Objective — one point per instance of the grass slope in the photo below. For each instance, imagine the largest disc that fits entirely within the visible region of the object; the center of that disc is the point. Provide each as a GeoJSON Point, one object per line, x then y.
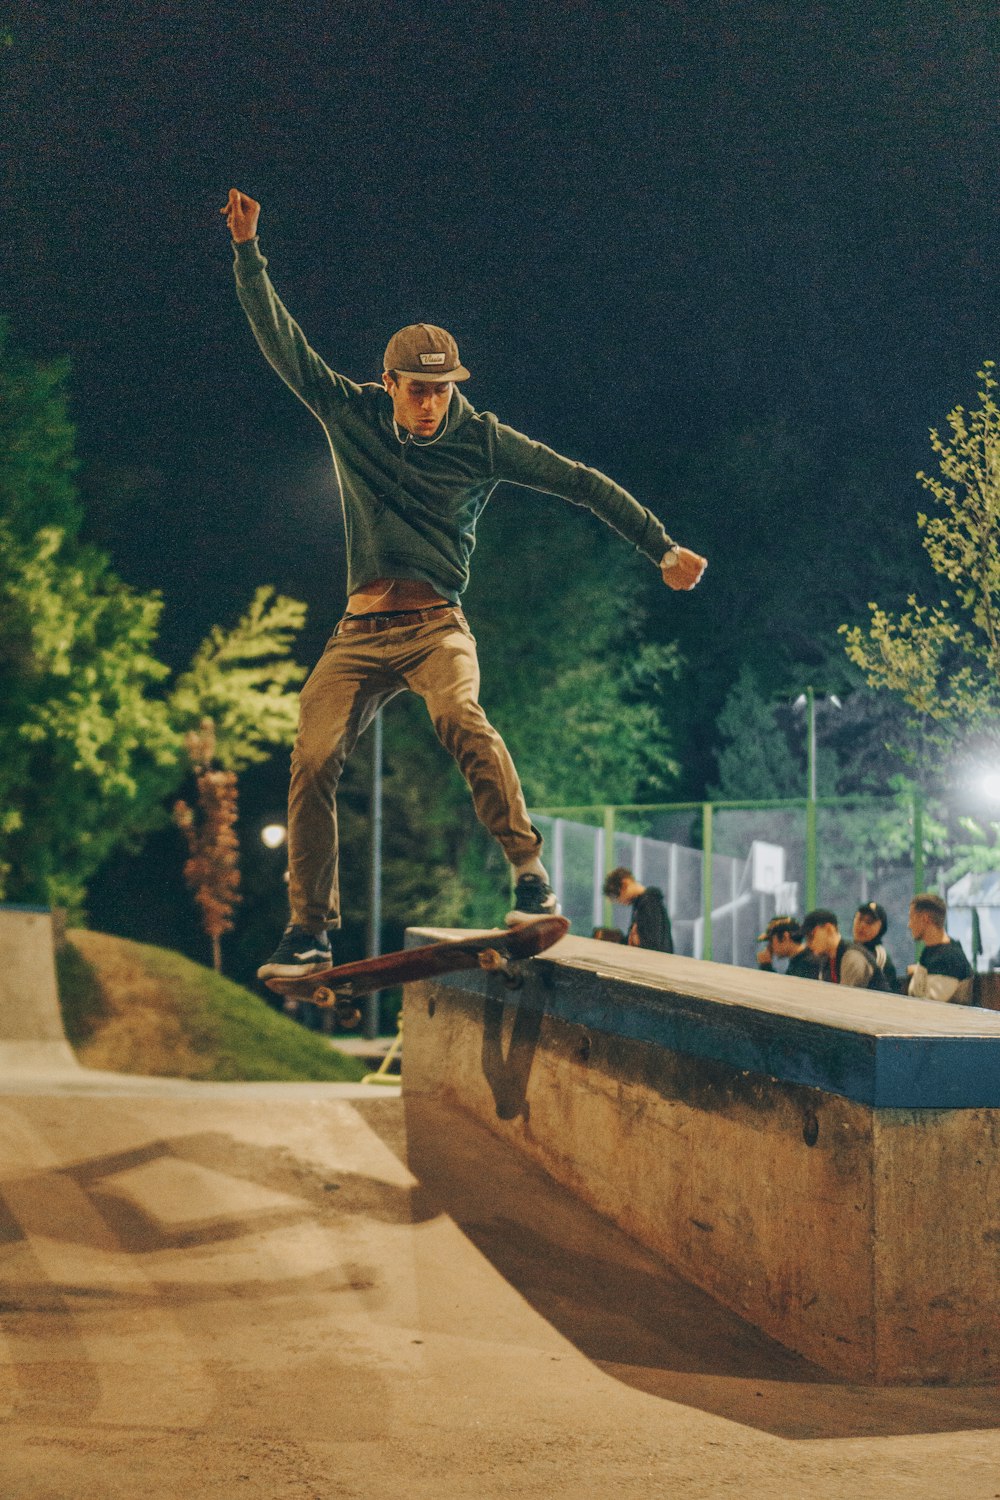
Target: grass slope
{"type": "Point", "coordinates": [131, 1008]}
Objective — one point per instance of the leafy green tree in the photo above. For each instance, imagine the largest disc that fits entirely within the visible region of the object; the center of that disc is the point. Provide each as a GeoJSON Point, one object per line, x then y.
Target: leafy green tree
{"type": "Point", "coordinates": [242, 679]}
{"type": "Point", "coordinates": [942, 659]}
{"type": "Point", "coordinates": [91, 742]}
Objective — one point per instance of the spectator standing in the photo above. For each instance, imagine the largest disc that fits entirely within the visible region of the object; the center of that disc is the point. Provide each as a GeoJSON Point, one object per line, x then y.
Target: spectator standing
{"type": "Point", "coordinates": [649, 926]}
{"type": "Point", "coordinates": [943, 971]}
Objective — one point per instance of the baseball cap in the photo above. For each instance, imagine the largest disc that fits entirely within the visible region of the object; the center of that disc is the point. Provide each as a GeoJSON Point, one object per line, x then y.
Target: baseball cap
{"type": "Point", "coordinates": [777, 926]}
{"type": "Point", "coordinates": [425, 350]}
{"type": "Point", "coordinates": [875, 912]}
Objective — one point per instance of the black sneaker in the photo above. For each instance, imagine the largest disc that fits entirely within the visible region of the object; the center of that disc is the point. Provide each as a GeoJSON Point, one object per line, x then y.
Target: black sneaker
{"type": "Point", "coordinates": [533, 898]}
{"type": "Point", "coordinates": [299, 952]}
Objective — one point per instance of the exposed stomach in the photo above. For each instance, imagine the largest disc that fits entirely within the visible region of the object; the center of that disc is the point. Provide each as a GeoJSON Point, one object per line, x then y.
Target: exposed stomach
{"type": "Point", "coordinates": [393, 593]}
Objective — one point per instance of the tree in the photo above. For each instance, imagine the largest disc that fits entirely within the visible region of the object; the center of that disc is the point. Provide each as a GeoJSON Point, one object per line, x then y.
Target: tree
{"type": "Point", "coordinates": [213, 867]}
{"type": "Point", "coordinates": [775, 509]}
{"type": "Point", "coordinates": [91, 739]}
{"type": "Point", "coordinates": [943, 659]}
{"type": "Point", "coordinates": [582, 698]}
{"type": "Point", "coordinates": [756, 762]}
{"type": "Point", "coordinates": [242, 678]}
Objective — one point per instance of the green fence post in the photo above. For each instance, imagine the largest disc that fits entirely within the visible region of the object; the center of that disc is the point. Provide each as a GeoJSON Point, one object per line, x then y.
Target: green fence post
{"type": "Point", "coordinates": [609, 859]}
{"type": "Point", "coordinates": [706, 879]}
{"type": "Point", "coordinates": [811, 854]}
{"type": "Point", "coordinates": [918, 841]}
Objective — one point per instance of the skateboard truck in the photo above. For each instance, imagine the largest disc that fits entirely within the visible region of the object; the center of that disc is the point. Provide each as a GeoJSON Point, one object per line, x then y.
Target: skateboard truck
{"type": "Point", "coordinates": [495, 962]}
{"type": "Point", "coordinates": [345, 1012]}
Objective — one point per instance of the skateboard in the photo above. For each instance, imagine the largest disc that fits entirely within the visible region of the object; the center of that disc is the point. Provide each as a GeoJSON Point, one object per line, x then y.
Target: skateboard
{"type": "Point", "coordinates": [496, 952]}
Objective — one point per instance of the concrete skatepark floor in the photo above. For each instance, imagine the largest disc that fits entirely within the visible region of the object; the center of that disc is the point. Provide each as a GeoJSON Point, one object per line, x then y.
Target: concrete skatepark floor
{"type": "Point", "coordinates": [304, 1291]}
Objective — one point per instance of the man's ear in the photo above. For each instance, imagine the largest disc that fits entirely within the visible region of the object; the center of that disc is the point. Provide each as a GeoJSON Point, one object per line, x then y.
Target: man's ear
{"type": "Point", "coordinates": [388, 381]}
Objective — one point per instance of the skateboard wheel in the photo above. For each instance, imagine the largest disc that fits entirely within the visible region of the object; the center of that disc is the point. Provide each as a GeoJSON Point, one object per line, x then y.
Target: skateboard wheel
{"type": "Point", "coordinates": [323, 997]}
{"type": "Point", "coordinates": [347, 1016]}
{"type": "Point", "coordinates": [491, 960]}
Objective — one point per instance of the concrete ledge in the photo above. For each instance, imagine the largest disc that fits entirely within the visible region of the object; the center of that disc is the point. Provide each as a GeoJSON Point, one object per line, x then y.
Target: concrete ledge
{"type": "Point", "coordinates": [824, 1162]}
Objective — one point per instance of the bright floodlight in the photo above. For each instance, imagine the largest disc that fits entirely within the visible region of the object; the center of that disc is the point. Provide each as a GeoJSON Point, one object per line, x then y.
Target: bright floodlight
{"type": "Point", "coordinates": [990, 785]}
{"type": "Point", "coordinates": [273, 835]}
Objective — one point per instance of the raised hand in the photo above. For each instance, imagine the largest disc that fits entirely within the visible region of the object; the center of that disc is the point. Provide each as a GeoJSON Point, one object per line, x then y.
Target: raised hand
{"type": "Point", "coordinates": [685, 571]}
{"type": "Point", "coordinates": [242, 213]}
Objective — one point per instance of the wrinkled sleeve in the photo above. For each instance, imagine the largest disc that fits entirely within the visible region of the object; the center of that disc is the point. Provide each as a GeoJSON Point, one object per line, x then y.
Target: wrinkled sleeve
{"type": "Point", "coordinates": [924, 986]}
{"type": "Point", "coordinates": [520, 460]}
{"type": "Point", "coordinates": [282, 341]}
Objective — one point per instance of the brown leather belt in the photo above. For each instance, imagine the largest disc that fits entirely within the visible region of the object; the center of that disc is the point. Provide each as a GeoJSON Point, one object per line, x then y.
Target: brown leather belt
{"type": "Point", "coordinates": [368, 624]}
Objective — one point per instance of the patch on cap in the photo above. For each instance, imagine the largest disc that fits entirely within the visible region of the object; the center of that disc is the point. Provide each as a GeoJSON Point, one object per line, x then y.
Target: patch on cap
{"type": "Point", "coordinates": [432, 359]}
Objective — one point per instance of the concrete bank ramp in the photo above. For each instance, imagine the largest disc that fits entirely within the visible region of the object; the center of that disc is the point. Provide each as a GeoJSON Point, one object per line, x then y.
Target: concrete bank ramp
{"type": "Point", "coordinates": [32, 1040]}
{"type": "Point", "coordinates": [277, 1292]}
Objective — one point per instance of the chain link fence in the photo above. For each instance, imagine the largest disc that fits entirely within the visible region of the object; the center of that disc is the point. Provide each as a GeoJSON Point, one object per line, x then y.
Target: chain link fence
{"type": "Point", "coordinates": [726, 868]}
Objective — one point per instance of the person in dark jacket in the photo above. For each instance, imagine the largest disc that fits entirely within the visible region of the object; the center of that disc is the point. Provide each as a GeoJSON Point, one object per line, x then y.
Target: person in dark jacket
{"type": "Point", "coordinates": [840, 962]}
{"type": "Point", "coordinates": [782, 938]}
{"type": "Point", "coordinates": [415, 463]}
{"type": "Point", "coordinates": [649, 926]}
{"type": "Point", "coordinates": [870, 923]}
{"type": "Point", "coordinates": [943, 972]}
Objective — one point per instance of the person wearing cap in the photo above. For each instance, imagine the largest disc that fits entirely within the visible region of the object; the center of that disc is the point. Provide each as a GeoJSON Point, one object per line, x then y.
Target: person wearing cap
{"type": "Point", "coordinates": [870, 923]}
{"type": "Point", "coordinates": [782, 938]}
{"type": "Point", "coordinates": [840, 962]}
{"type": "Point", "coordinates": [415, 464]}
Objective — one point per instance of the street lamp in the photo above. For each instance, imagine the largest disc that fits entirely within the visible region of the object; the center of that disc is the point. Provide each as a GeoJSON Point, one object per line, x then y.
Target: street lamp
{"type": "Point", "coordinates": [273, 835]}
{"type": "Point", "coordinates": [989, 785]}
{"type": "Point", "coordinates": [807, 700]}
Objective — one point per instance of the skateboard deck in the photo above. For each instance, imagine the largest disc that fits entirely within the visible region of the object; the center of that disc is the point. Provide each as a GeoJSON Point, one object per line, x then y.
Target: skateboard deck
{"type": "Point", "coordinates": [495, 951]}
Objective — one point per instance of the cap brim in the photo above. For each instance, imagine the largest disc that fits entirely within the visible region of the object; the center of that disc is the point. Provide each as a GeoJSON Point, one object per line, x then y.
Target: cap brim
{"type": "Point", "coordinates": [437, 377]}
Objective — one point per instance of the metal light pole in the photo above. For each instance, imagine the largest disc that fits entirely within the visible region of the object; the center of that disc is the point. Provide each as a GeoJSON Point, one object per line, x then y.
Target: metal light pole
{"type": "Point", "coordinates": [807, 700]}
{"type": "Point", "coordinates": [811, 798]}
{"type": "Point", "coordinates": [375, 876]}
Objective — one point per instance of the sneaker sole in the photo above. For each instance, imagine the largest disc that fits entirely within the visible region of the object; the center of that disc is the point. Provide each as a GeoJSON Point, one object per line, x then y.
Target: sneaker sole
{"type": "Point", "coordinates": [291, 971]}
{"type": "Point", "coordinates": [516, 918]}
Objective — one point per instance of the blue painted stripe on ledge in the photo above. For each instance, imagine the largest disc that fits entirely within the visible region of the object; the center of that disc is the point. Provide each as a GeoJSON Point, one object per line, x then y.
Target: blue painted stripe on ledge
{"type": "Point", "coordinates": [884, 1071]}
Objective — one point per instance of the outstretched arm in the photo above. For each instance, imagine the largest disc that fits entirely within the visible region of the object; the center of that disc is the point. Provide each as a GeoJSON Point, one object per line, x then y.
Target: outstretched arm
{"type": "Point", "coordinates": [281, 340]}
{"type": "Point", "coordinates": [520, 460]}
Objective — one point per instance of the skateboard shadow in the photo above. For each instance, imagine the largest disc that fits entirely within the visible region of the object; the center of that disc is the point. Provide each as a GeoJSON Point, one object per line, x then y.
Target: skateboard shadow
{"type": "Point", "coordinates": [507, 1073]}
{"type": "Point", "coordinates": [624, 1308]}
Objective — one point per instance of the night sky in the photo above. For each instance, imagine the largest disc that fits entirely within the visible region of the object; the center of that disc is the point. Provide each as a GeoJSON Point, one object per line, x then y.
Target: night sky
{"type": "Point", "coordinates": [639, 221]}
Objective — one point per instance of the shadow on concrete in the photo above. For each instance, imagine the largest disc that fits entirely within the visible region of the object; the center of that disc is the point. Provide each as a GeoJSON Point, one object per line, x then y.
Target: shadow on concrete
{"type": "Point", "coordinates": [625, 1310]}
{"type": "Point", "coordinates": [145, 1223]}
{"type": "Point", "coordinates": [507, 1073]}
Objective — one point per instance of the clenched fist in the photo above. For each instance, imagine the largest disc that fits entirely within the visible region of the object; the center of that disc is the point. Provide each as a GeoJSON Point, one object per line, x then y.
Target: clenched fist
{"type": "Point", "coordinates": [681, 568]}
{"type": "Point", "coordinates": [241, 214]}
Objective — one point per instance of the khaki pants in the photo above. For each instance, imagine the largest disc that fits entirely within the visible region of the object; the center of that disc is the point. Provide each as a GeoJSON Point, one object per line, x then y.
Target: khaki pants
{"type": "Point", "coordinates": [367, 662]}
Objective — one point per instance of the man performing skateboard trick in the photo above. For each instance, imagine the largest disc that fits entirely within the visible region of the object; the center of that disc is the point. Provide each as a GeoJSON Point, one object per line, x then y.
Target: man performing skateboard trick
{"type": "Point", "coordinates": [415, 465]}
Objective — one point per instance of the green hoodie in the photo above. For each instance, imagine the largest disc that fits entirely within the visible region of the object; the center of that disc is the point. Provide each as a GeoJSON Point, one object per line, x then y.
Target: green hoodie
{"type": "Point", "coordinates": [410, 508]}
